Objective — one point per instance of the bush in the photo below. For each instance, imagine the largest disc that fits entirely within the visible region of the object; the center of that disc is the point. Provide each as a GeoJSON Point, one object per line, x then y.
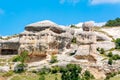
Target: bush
{"type": "Point", "coordinates": [44, 71]}
{"type": "Point", "coordinates": [102, 51]}
{"type": "Point", "coordinates": [16, 58]}
{"type": "Point", "coordinates": [22, 57]}
{"type": "Point", "coordinates": [71, 72]}
{"type": "Point", "coordinates": [73, 26]}
{"type": "Point", "coordinates": [53, 59]}
{"type": "Point", "coordinates": [19, 68]}
{"type": "Point", "coordinates": [117, 43]}
{"type": "Point", "coordinates": [115, 57]}
{"type": "Point", "coordinates": [88, 75]}
{"type": "Point", "coordinates": [42, 77]}
{"type": "Point", "coordinates": [55, 69]}
{"type": "Point", "coordinates": [110, 61]}
{"type": "Point", "coordinates": [74, 40]}
{"type": "Point", "coordinates": [110, 54]}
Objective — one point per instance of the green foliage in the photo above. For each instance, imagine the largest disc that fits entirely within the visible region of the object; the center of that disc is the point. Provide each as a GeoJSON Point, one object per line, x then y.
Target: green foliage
{"type": "Point", "coordinates": [42, 77]}
{"type": "Point", "coordinates": [44, 71]}
{"type": "Point", "coordinates": [53, 59]}
{"type": "Point", "coordinates": [19, 68]}
{"type": "Point", "coordinates": [115, 22]}
{"type": "Point", "coordinates": [110, 54]}
{"type": "Point", "coordinates": [55, 69]}
{"type": "Point", "coordinates": [22, 57]}
{"type": "Point", "coordinates": [116, 57]}
{"type": "Point", "coordinates": [74, 40]}
{"type": "Point", "coordinates": [110, 61]}
{"type": "Point", "coordinates": [87, 75]}
{"type": "Point", "coordinates": [71, 72]}
{"type": "Point", "coordinates": [117, 43]}
{"type": "Point", "coordinates": [73, 26]}
{"type": "Point", "coordinates": [16, 58]}
{"type": "Point", "coordinates": [101, 50]}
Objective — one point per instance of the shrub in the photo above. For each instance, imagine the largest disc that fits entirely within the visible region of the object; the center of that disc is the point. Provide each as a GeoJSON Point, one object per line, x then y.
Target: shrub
{"type": "Point", "coordinates": [117, 43]}
{"type": "Point", "coordinates": [53, 59]}
{"type": "Point", "coordinates": [110, 61]}
{"type": "Point", "coordinates": [44, 71]}
{"type": "Point", "coordinates": [88, 75]}
{"type": "Point", "coordinates": [73, 26]}
{"type": "Point", "coordinates": [55, 69]}
{"type": "Point", "coordinates": [42, 77]}
{"type": "Point", "coordinates": [110, 54]}
{"type": "Point", "coordinates": [102, 51]}
{"type": "Point", "coordinates": [16, 58]}
{"type": "Point", "coordinates": [74, 40]}
{"type": "Point", "coordinates": [19, 68]}
{"type": "Point", "coordinates": [115, 57]}
{"type": "Point", "coordinates": [22, 57]}
{"type": "Point", "coordinates": [71, 72]}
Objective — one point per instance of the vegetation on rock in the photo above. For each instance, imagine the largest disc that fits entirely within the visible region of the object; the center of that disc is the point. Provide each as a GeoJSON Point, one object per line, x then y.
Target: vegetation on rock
{"type": "Point", "coordinates": [115, 22]}
{"type": "Point", "coordinates": [117, 43]}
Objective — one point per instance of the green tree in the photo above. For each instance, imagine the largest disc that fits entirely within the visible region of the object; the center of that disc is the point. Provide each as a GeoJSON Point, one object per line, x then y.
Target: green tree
{"type": "Point", "coordinates": [115, 22]}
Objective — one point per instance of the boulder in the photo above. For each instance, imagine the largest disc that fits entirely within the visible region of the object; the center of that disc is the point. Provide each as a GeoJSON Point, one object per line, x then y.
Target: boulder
{"type": "Point", "coordinates": [88, 26]}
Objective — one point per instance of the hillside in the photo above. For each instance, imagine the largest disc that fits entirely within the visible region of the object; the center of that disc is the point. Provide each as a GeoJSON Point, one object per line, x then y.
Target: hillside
{"type": "Point", "coordinates": [49, 44]}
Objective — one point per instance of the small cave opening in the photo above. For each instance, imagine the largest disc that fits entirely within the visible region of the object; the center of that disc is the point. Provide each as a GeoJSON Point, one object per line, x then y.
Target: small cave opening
{"type": "Point", "coordinates": [9, 51]}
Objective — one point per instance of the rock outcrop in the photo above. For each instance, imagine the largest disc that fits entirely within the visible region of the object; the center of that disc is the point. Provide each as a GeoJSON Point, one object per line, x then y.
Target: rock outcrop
{"type": "Point", "coordinates": [44, 36]}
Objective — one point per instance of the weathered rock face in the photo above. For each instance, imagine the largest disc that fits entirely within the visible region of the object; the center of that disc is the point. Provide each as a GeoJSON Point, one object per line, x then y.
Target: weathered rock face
{"type": "Point", "coordinates": [88, 26]}
{"type": "Point", "coordinates": [86, 42]}
{"type": "Point", "coordinates": [48, 38]}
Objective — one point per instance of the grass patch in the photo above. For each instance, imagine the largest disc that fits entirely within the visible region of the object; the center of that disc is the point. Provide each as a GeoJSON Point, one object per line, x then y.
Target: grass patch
{"type": "Point", "coordinates": [26, 76]}
{"type": "Point", "coordinates": [33, 76]}
{"type": "Point", "coordinates": [115, 78]}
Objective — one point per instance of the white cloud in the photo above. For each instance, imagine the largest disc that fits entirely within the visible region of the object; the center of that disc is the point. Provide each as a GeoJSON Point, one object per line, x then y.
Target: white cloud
{"type": "Point", "coordinates": [98, 24]}
{"type": "Point", "coordinates": [1, 11]}
{"type": "Point", "coordinates": [104, 1]}
{"type": "Point", "coordinates": [69, 1]}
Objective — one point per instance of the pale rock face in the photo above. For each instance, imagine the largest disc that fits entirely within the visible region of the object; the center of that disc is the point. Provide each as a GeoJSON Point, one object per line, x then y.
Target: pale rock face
{"type": "Point", "coordinates": [88, 26]}
{"type": "Point", "coordinates": [51, 38]}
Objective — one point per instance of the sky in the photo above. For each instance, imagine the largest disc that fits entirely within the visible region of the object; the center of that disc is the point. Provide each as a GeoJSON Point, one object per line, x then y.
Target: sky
{"type": "Point", "coordinates": [16, 14]}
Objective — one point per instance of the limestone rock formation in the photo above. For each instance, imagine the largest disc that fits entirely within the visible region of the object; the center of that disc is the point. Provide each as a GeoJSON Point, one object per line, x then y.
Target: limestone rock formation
{"type": "Point", "coordinates": [44, 36]}
{"type": "Point", "coordinates": [88, 26]}
{"type": "Point", "coordinates": [86, 42]}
